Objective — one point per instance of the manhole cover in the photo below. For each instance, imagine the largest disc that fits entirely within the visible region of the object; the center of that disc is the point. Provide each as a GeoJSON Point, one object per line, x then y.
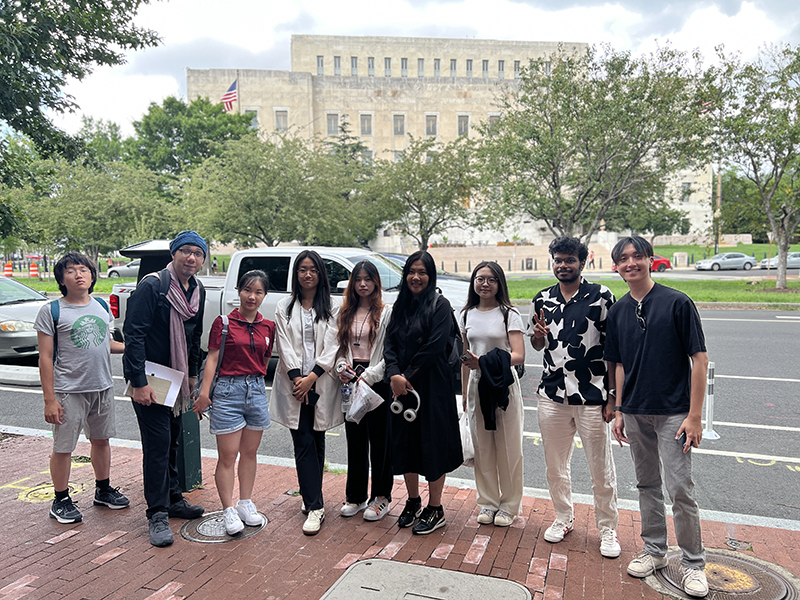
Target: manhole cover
{"type": "Point", "coordinates": [46, 493]}
{"type": "Point", "coordinates": [390, 580]}
{"type": "Point", "coordinates": [210, 529]}
{"type": "Point", "coordinates": [731, 576]}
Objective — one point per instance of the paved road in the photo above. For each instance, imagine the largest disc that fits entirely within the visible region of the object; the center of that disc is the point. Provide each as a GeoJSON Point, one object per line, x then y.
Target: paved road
{"type": "Point", "coordinates": [754, 468]}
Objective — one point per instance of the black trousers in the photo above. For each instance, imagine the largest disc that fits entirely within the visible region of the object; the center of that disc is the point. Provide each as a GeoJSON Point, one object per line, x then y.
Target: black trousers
{"type": "Point", "coordinates": [368, 442]}
{"type": "Point", "coordinates": [309, 458]}
{"type": "Point", "coordinates": [160, 431]}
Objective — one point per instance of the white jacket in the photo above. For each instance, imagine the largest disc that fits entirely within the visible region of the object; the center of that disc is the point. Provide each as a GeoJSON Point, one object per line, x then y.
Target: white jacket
{"type": "Point", "coordinates": [284, 408]}
{"type": "Point", "coordinates": [374, 372]}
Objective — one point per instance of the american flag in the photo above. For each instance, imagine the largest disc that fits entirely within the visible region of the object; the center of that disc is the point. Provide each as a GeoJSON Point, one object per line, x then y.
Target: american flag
{"type": "Point", "coordinates": [230, 97]}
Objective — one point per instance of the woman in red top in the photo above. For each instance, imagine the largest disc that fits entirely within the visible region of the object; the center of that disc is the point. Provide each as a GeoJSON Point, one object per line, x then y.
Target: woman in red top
{"type": "Point", "coordinates": [239, 409]}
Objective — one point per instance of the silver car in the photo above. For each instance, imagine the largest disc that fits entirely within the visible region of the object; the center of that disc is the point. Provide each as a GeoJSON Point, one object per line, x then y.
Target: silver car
{"type": "Point", "coordinates": [792, 261]}
{"type": "Point", "coordinates": [726, 260]}
{"type": "Point", "coordinates": [19, 306]}
{"type": "Point", "coordinates": [128, 270]}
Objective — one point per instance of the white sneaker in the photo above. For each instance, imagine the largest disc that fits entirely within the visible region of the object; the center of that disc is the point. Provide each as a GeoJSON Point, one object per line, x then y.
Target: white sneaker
{"type": "Point", "coordinates": [233, 524]}
{"type": "Point", "coordinates": [695, 582]}
{"type": "Point", "coordinates": [377, 509]}
{"type": "Point", "coordinates": [503, 519]}
{"type": "Point", "coordinates": [350, 510]}
{"type": "Point", "coordinates": [486, 516]}
{"type": "Point", "coordinates": [556, 532]}
{"type": "Point", "coordinates": [248, 513]}
{"type": "Point", "coordinates": [314, 521]}
{"type": "Point", "coordinates": [644, 564]}
{"type": "Point", "coordinates": [609, 543]}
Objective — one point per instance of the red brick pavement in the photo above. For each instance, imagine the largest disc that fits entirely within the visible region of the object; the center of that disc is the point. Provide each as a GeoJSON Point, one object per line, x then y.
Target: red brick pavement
{"type": "Point", "coordinates": [109, 556]}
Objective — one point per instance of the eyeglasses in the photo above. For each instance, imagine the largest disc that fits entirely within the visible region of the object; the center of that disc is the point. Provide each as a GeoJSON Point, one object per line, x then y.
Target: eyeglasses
{"type": "Point", "coordinates": [482, 280]}
{"type": "Point", "coordinates": [640, 317]}
{"type": "Point", "coordinates": [570, 260]}
{"type": "Point", "coordinates": [198, 254]}
{"type": "Point", "coordinates": [304, 271]}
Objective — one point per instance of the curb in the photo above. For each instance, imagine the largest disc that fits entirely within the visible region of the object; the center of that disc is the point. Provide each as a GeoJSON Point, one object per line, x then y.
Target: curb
{"type": "Point", "coordinates": [17, 375]}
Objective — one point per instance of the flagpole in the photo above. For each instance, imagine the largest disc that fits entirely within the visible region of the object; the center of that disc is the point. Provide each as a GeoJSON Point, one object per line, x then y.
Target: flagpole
{"type": "Point", "coordinates": [238, 92]}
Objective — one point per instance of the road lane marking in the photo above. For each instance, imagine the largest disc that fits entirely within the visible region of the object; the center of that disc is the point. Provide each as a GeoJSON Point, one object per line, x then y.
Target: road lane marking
{"type": "Point", "coordinates": [757, 378]}
{"type": "Point", "coordinates": [742, 320]}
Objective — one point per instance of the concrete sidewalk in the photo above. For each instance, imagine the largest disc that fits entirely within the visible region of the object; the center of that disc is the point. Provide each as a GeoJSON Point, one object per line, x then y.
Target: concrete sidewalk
{"type": "Point", "coordinates": [109, 556]}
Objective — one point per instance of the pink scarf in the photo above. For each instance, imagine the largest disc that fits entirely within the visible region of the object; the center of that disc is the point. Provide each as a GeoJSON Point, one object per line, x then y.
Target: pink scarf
{"type": "Point", "coordinates": [178, 352]}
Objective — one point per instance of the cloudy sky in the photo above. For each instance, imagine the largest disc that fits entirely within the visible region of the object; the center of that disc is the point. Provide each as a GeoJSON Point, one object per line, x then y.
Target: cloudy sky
{"type": "Point", "coordinates": [256, 33]}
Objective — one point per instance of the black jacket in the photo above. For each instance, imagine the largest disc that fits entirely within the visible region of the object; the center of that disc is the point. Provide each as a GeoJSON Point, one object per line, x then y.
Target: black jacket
{"type": "Point", "coordinates": [146, 330]}
{"type": "Point", "coordinates": [493, 385]}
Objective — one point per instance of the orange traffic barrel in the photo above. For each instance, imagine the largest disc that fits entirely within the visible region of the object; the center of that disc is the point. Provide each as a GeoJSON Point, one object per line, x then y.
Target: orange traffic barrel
{"type": "Point", "coordinates": [33, 271]}
{"type": "Point", "coordinates": [9, 270]}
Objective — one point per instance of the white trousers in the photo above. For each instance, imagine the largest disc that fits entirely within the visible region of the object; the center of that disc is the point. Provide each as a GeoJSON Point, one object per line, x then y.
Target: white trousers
{"type": "Point", "coordinates": [558, 423]}
{"type": "Point", "coordinates": [498, 453]}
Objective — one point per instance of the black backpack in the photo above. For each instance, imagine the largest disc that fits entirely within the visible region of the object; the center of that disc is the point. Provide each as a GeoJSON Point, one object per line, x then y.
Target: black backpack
{"type": "Point", "coordinates": [455, 346]}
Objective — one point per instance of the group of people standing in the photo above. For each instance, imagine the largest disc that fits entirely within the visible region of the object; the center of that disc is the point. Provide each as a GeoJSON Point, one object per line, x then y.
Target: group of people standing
{"type": "Point", "coordinates": [600, 357]}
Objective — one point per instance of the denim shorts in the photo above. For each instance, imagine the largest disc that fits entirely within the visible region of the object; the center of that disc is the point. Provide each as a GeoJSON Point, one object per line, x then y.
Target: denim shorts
{"type": "Point", "coordinates": [239, 402]}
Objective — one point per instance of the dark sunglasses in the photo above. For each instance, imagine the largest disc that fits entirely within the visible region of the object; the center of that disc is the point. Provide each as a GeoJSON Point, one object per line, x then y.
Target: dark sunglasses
{"type": "Point", "coordinates": [640, 317]}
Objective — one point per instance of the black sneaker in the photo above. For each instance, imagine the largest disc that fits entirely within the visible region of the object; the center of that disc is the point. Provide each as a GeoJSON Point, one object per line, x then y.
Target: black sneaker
{"type": "Point", "coordinates": [64, 511]}
{"type": "Point", "coordinates": [183, 510]}
{"type": "Point", "coordinates": [411, 512]}
{"type": "Point", "coordinates": [430, 520]}
{"type": "Point", "coordinates": [110, 497]}
{"type": "Point", "coordinates": [160, 534]}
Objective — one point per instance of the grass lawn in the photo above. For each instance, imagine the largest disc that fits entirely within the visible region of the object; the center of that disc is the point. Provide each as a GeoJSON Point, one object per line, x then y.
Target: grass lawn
{"type": "Point", "coordinates": [699, 291]}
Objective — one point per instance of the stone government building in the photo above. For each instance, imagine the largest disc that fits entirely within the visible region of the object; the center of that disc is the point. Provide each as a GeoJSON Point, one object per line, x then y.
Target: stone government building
{"type": "Point", "coordinates": [391, 88]}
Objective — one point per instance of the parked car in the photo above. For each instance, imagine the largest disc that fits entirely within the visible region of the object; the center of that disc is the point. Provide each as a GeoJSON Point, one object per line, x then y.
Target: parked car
{"type": "Point", "coordinates": [660, 264]}
{"type": "Point", "coordinates": [277, 262]}
{"type": "Point", "coordinates": [130, 269]}
{"type": "Point", "coordinates": [792, 261]}
{"type": "Point", "coordinates": [726, 260]}
{"type": "Point", "coordinates": [400, 261]}
{"type": "Point", "coordinates": [19, 306]}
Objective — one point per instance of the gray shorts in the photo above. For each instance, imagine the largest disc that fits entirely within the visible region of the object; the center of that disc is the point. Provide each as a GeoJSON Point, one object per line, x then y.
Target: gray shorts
{"type": "Point", "coordinates": [90, 412]}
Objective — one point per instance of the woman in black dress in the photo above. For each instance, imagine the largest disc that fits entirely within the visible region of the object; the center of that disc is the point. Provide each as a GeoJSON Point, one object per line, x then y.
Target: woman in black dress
{"type": "Point", "coordinates": [418, 343]}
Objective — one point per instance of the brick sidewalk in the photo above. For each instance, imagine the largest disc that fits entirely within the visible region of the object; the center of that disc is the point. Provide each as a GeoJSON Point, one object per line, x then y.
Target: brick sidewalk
{"type": "Point", "coordinates": [109, 556]}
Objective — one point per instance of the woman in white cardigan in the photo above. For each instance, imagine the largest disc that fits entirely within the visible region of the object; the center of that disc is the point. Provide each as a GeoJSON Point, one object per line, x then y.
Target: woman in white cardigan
{"type": "Point", "coordinates": [306, 396]}
{"type": "Point", "coordinates": [362, 329]}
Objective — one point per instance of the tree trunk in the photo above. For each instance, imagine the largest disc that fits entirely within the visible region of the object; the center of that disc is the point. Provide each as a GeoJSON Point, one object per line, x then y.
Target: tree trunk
{"type": "Point", "coordinates": [784, 241]}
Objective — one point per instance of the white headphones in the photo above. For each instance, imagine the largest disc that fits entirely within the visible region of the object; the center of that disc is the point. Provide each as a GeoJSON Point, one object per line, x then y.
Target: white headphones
{"type": "Point", "coordinates": [409, 414]}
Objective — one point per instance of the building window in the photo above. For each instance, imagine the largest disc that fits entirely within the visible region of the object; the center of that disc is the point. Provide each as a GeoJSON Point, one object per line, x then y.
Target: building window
{"type": "Point", "coordinates": [453, 65]}
{"type": "Point", "coordinates": [485, 68]}
{"type": "Point", "coordinates": [397, 156]}
{"type": "Point", "coordinates": [366, 156]}
{"type": "Point", "coordinates": [366, 124]}
{"type": "Point", "coordinates": [320, 66]}
{"type": "Point", "coordinates": [354, 66]}
{"type": "Point", "coordinates": [253, 118]}
{"type": "Point", "coordinates": [333, 123]}
{"type": "Point", "coordinates": [371, 66]}
{"type": "Point", "coordinates": [403, 67]}
{"type": "Point", "coordinates": [420, 67]}
{"type": "Point", "coordinates": [494, 122]}
{"type": "Point", "coordinates": [501, 69]}
{"type": "Point", "coordinates": [430, 124]}
{"type": "Point", "coordinates": [469, 67]}
{"type": "Point", "coordinates": [430, 155]}
{"type": "Point", "coordinates": [516, 69]}
{"type": "Point", "coordinates": [387, 66]}
{"type": "Point", "coordinates": [399, 124]}
{"type": "Point", "coordinates": [337, 65]}
{"type": "Point", "coordinates": [463, 124]}
{"type": "Point", "coordinates": [281, 120]}
{"type": "Point", "coordinates": [686, 192]}
{"type": "Point", "coordinates": [437, 67]}
{"type": "Point", "coordinates": [547, 67]}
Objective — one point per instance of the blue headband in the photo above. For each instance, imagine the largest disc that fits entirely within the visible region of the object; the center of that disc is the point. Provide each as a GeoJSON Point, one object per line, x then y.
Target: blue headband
{"type": "Point", "coordinates": [188, 237]}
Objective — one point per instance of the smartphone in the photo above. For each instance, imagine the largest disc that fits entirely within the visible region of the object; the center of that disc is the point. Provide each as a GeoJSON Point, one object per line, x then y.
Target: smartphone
{"type": "Point", "coordinates": [312, 397]}
{"type": "Point", "coordinates": [359, 370]}
{"type": "Point", "coordinates": [465, 357]}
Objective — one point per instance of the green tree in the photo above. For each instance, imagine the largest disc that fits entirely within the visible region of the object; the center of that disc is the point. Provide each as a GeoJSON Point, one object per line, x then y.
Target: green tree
{"type": "Point", "coordinates": [428, 187]}
{"type": "Point", "coordinates": [741, 210]}
{"type": "Point", "coordinates": [42, 45]}
{"type": "Point", "coordinates": [581, 133]}
{"type": "Point", "coordinates": [758, 119]}
{"type": "Point", "coordinates": [102, 139]}
{"type": "Point", "coordinates": [175, 135]}
{"type": "Point", "coordinates": [653, 217]}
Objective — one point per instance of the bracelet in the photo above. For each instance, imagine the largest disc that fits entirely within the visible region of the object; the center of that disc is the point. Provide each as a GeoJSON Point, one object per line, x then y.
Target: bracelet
{"type": "Point", "coordinates": [617, 409]}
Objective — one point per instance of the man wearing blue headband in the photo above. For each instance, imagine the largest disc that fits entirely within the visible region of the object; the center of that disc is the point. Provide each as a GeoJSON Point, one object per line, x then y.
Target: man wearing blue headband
{"type": "Point", "coordinates": [163, 324]}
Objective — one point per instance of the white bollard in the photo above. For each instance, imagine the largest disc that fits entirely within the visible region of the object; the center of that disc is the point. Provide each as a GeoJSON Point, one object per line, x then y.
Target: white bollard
{"type": "Point", "coordinates": [708, 432]}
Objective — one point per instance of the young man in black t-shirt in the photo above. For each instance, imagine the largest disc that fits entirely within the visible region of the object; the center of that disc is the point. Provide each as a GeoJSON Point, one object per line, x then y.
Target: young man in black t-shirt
{"type": "Point", "coordinates": [652, 333]}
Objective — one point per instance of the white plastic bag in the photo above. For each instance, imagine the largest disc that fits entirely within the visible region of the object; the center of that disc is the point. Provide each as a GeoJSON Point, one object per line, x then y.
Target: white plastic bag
{"type": "Point", "coordinates": [363, 400]}
{"type": "Point", "coordinates": [467, 449]}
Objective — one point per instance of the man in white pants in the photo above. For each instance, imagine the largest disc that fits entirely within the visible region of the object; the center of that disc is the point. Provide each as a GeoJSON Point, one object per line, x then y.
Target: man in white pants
{"type": "Point", "coordinates": [568, 322]}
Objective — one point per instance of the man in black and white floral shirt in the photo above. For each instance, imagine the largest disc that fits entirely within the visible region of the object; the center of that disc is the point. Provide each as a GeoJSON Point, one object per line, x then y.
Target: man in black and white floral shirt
{"type": "Point", "coordinates": [568, 322]}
